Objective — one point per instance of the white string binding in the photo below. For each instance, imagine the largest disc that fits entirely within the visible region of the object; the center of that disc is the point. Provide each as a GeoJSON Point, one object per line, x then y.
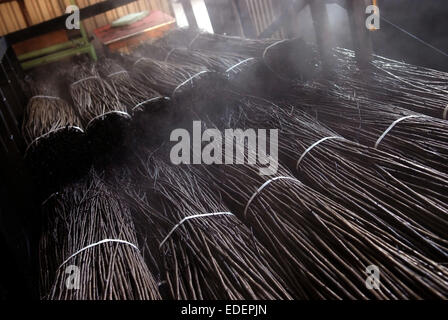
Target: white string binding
{"type": "Point", "coordinates": [312, 147]}
{"type": "Point", "coordinates": [84, 79]}
{"type": "Point", "coordinates": [189, 218]}
{"type": "Point", "coordinates": [186, 81]}
{"type": "Point", "coordinates": [267, 64]}
{"type": "Point", "coordinates": [194, 39]}
{"type": "Point", "coordinates": [445, 113]}
{"type": "Point", "coordinates": [271, 46]}
{"type": "Point", "coordinates": [45, 97]}
{"type": "Point", "coordinates": [123, 113]}
{"type": "Point", "coordinates": [238, 64]}
{"type": "Point", "coordinates": [118, 72]}
{"type": "Point", "coordinates": [393, 125]}
{"type": "Point", "coordinates": [264, 186]}
{"type": "Point", "coordinates": [169, 54]}
{"type": "Point", "coordinates": [146, 101]}
{"type": "Point", "coordinates": [48, 199]}
{"type": "Point", "coordinates": [50, 132]}
{"type": "Point", "coordinates": [97, 244]}
{"type": "Point", "coordinates": [143, 58]}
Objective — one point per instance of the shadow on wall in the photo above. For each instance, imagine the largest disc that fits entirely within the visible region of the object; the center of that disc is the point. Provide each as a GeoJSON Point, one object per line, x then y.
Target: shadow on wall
{"type": "Point", "coordinates": [427, 20]}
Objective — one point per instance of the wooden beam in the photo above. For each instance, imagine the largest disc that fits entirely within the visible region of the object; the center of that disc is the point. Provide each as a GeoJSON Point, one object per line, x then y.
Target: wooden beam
{"type": "Point", "coordinates": [362, 41]}
{"type": "Point", "coordinates": [59, 22]}
{"type": "Point", "coordinates": [321, 24]}
{"type": "Point", "coordinates": [246, 21]}
{"type": "Point", "coordinates": [25, 13]}
{"type": "Point", "coordinates": [289, 14]}
{"type": "Point", "coordinates": [188, 9]}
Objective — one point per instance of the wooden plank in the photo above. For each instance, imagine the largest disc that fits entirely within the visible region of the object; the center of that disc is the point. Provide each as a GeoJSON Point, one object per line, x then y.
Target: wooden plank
{"type": "Point", "coordinates": [126, 45]}
{"type": "Point", "coordinates": [25, 12]}
{"type": "Point", "coordinates": [40, 42]}
{"type": "Point", "coordinates": [109, 34]}
{"type": "Point", "coordinates": [153, 26]}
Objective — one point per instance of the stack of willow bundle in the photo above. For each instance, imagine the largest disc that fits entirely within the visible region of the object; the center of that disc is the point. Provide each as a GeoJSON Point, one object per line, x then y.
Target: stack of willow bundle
{"type": "Point", "coordinates": [202, 249]}
{"type": "Point", "coordinates": [405, 202]}
{"type": "Point", "coordinates": [286, 60]}
{"type": "Point", "coordinates": [326, 247]}
{"type": "Point", "coordinates": [93, 96]}
{"type": "Point", "coordinates": [219, 62]}
{"type": "Point", "coordinates": [88, 247]}
{"type": "Point", "coordinates": [401, 132]}
{"type": "Point", "coordinates": [166, 78]}
{"type": "Point", "coordinates": [194, 39]}
{"type": "Point", "coordinates": [132, 94]}
{"type": "Point", "coordinates": [54, 136]}
{"type": "Point", "coordinates": [47, 113]}
{"type": "Point", "coordinates": [391, 82]}
{"type": "Point", "coordinates": [244, 73]}
{"type": "Point", "coordinates": [102, 113]}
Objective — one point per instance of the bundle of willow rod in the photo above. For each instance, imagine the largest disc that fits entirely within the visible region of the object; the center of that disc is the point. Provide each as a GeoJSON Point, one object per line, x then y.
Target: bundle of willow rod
{"type": "Point", "coordinates": [47, 113]}
{"type": "Point", "coordinates": [361, 118]}
{"type": "Point", "coordinates": [165, 77]}
{"type": "Point", "coordinates": [391, 82]}
{"type": "Point", "coordinates": [131, 93]}
{"type": "Point", "coordinates": [325, 246]}
{"type": "Point", "coordinates": [219, 62]}
{"type": "Point", "coordinates": [288, 59]}
{"type": "Point", "coordinates": [88, 248]}
{"type": "Point", "coordinates": [92, 95]}
{"type": "Point", "coordinates": [401, 198]}
{"type": "Point", "coordinates": [203, 250]}
{"type": "Point", "coordinates": [194, 39]}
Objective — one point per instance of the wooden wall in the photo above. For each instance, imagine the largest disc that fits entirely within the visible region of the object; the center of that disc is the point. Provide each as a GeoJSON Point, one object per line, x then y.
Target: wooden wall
{"type": "Point", "coordinates": [12, 19]}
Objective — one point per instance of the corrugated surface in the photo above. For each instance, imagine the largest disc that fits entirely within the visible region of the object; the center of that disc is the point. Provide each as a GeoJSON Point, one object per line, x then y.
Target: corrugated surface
{"type": "Point", "coordinates": [263, 13]}
{"type": "Point", "coordinates": [11, 18]}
